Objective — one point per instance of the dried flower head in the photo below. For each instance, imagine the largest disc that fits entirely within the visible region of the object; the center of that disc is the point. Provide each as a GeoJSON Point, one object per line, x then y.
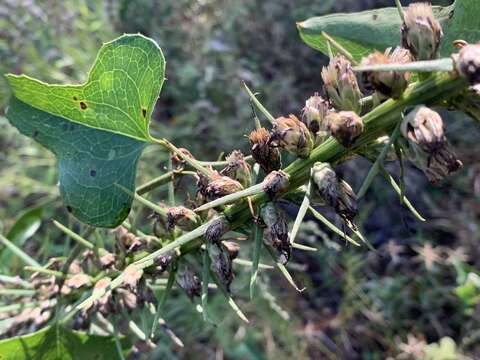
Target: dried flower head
{"type": "Point", "coordinates": [177, 161]}
{"type": "Point", "coordinates": [233, 248]}
{"type": "Point", "coordinates": [78, 280]}
{"type": "Point", "coordinates": [314, 114]}
{"type": "Point", "coordinates": [421, 32]}
{"type": "Point", "coordinates": [189, 282]}
{"type": "Point", "coordinates": [221, 263]}
{"type": "Point", "coordinates": [127, 241]}
{"type": "Point", "coordinates": [334, 192]}
{"type": "Point", "coordinates": [276, 183]}
{"type": "Point", "coordinates": [132, 275]}
{"type": "Point", "coordinates": [220, 186]}
{"type": "Point", "coordinates": [292, 135]}
{"type": "Point", "coordinates": [341, 85]}
{"type": "Point", "coordinates": [428, 145]}
{"type": "Point", "coordinates": [467, 63]}
{"type": "Point", "coordinates": [217, 229]}
{"type": "Point", "coordinates": [387, 83]}
{"type": "Point", "coordinates": [345, 126]}
{"type": "Point", "coordinates": [263, 152]}
{"type": "Point", "coordinates": [182, 217]}
{"type": "Point", "coordinates": [276, 234]}
{"type": "Point", "coordinates": [238, 169]}
{"type": "Point", "coordinates": [107, 260]}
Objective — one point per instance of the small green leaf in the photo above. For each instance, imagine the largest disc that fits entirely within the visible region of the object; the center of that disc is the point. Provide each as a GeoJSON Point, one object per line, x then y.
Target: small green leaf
{"type": "Point", "coordinates": [57, 343]}
{"type": "Point", "coordinates": [360, 33]}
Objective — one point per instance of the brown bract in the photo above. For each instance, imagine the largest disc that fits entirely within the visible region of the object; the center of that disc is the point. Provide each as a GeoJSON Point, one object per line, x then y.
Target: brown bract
{"type": "Point", "coordinates": [345, 126]}
{"type": "Point", "coordinates": [263, 152]}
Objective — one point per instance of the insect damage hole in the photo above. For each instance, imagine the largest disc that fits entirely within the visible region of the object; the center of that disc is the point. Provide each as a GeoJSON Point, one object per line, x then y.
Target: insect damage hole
{"type": "Point", "coordinates": [144, 112]}
{"type": "Point", "coordinates": [93, 173]}
{"type": "Point", "coordinates": [83, 105]}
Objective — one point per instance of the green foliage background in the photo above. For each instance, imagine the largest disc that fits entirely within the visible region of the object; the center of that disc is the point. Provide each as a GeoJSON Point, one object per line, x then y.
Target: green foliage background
{"type": "Point", "coordinates": [358, 304]}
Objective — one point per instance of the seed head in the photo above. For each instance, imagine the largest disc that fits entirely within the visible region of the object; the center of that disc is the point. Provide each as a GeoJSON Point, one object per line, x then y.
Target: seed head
{"type": "Point", "coordinates": [429, 148]}
{"type": "Point", "coordinates": [217, 229]}
{"type": "Point", "coordinates": [334, 192]}
{"type": "Point", "coordinates": [276, 234]}
{"type": "Point", "coordinates": [421, 32]}
{"type": "Point", "coordinates": [341, 85]}
{"type": "Point", "coordinates": [467, 63]}
{"type": "Point", "coordinates": [387, 83]}
{"type": "Point", "coordinates": [292, 135]}
{"type": "Point", "coordinates": [238, 169]}
{"type": "Point", "coordinates": [221, 263]}
{"type": "Point", "coordinates": [345, 126]}
{"type": "Point", "coordinates": [182, 217]}
{"type": "Point", "coordinates": [275, 184]}
{"type": "Point", "coordinates": [263, 152]}
{"type": "Point", "coordinates": [189, 282]}
{"type": "Point", "coordinates": [220, 186]}
{"type": "Point", "coordinates": [314, 114]}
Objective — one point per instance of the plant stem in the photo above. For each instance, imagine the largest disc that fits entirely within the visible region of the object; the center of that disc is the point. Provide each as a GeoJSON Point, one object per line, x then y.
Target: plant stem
{"type": "Point", "coordinates": [27, 259]}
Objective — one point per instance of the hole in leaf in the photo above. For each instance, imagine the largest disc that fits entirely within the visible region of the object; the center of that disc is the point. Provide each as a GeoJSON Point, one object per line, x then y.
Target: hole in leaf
{"type": "Point", "coordinates": [144, 112]}
{"type": "Point", "coordinates": [75, 98]}
{"type": "Point", "coordinates": [93, 173]}
{"type": "Point", "coordinates": [83, 105]}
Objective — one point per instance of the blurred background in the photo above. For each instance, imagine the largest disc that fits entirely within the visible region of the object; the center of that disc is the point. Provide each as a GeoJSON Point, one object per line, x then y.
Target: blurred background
{"type": "Point", "coordinates": [417, 295]}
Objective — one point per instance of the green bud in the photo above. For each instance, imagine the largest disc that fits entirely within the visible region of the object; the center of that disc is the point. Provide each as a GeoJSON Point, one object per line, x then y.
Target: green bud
{"type": "Point", "coordinates": [182, 217]}
{"type": "Point", "coordinates": [263, 152]}
{"type": "Point", "coordinates": [345, 126]}
{"type": "Point", "coordinates": [428, 146]}
{"type": "Point", "coordinates": [276, 234]}
{"type": "Point", "coordinates": [276, 183]}
{"type": "Point", "coordinates": [341, 85]}
{"type": "Point", "coordinates": [467, 63]}
{"type": "Point", "coordinates": [387, 83]}
{"type": "Point", "coordinates": [292, 135]}
{"type": "Point", "coordinates": [421, 32]}
{"type": "Point", "coordinates": [238, 169]}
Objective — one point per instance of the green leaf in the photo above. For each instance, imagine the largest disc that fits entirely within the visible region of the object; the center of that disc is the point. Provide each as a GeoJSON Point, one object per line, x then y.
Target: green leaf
{"type": "Point", "coordinates": [360, 33]}
{"type": "Point", "coordinates": [97, 130]}
{"type": "Point", "coordinates": [119, 95]}
{"type": "Point", "coordinates": [90, 162]}
{"type": "Point", "coordinates": [26, 225]}
{"type": "Point", "coordinates": [59, 344]}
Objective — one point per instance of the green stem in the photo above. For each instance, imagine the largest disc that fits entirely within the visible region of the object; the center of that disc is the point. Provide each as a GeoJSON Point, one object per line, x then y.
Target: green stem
{"type": "Point", "coordinates": [27, 259]}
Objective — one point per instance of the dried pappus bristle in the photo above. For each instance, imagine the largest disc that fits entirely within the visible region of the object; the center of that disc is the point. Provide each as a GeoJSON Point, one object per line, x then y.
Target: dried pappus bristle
{"type": "Point", "coordinates": [421, 32]}
{"type": "Point", "coordinates": [429, 148]}
{"type": "Point", "coordinates": [276, 234]}
{"type": "Point", "coordinates": [467, 63]}
{"type": "Point", "coordinates": [345, 126]}
{"type": "Point", "coordinates": [221, 263]}
{"type": "Point", "coordinates": [189, 282]}
{"type": "Point", "coordinates": [292, 135]}
{"type": "Point", "coordinates": [182, 217]}
{"type": "Point", "coordinates": [341, 85]}
{"type": "Point", "coordinates": [237, 168]}
{"type": "Point", "coordinates": [221, 186]}
{"type": "Point", "coordinates": [276, 184]}
{"type": "Point", "coordinates": [217, 229]}
{"type": "Point", "coordinates": [263, 152]}
{"type": "Point", "coordinates": [387, 83]}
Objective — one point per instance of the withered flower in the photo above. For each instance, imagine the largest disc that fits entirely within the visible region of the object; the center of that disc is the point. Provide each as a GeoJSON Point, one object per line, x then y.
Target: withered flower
{"type": "Point", "coordinates": [78, 281]}
{"type": "Point", "coordinates": [467, 63]}
{"type": "Point", "coordinates": [107, 260]}
{"type": "Point", "coordinates": [177, 161]}
{"type": "Point", "coordinates": [345, 126]}
{"type": "Point", "coordinates": [132, 275]}
{"type": "Point", "coordinates": [314, 114]}
{"type": "Point", "coordinates": [421, 32]}
{"type": "Point", "coordinates": [221, 263]}
{"type": "Point", "coordinates": [292, 135]}
{"type": "Point", "coordinates": [182, 217]}
{"type": "Point", "coordinates": [429, 148]}
{"type": "Point", "coordinates": [275, 184]}
{"type": "Point", "coordinates": [276, 234]}
{"type": "Point", "coordinates": [189, 282]}
{"type": "Point", "coordinates": [126, 240]}
{"type": "Point", "coordinates": [341, 85]}
{"type": "Point", "coordinates": [232, 247]}
{"type": "Point", "coordinates": [263, 152]}
{"type": "Point", "coordinates": [387, 83]}
{"type": "Point", "coordinates": [334, 192]}
{"type": "Point", "coordinates": [238, 169]}
{"type": "Point", "coordinates": [220, 186]}
{"type": "Point", "coordinates": [217, 229]}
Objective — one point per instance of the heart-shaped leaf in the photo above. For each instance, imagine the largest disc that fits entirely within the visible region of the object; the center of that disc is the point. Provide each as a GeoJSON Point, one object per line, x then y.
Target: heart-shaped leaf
{"type": "Point", "coordinates": [97, 130]}
{"type": "Point", "coordinates": [363, 32]}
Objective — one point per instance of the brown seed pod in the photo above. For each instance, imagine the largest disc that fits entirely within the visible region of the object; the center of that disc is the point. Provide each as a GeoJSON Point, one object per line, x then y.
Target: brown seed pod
{"type": "Point", "coordinates": [292, 135]}
{"type": "Point", "coordinates": [182, 217]}
{"type": "Point", "coordinates": [263, 152]}
{"type": "Point", "coordinates": [345, 126]}
{"type": "Point", "coordinates": [220, 186]}
{"type": "Point", "coordinates": [275, 184]}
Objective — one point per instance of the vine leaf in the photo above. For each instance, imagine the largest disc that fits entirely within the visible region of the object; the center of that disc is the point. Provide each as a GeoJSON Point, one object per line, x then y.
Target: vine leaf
{"type": "Point", "coordinates": [59, 343]}
{"type": "Point", "coordinates": [97, 130]}
{"type": "Point", "coordinates": [363, 32]}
